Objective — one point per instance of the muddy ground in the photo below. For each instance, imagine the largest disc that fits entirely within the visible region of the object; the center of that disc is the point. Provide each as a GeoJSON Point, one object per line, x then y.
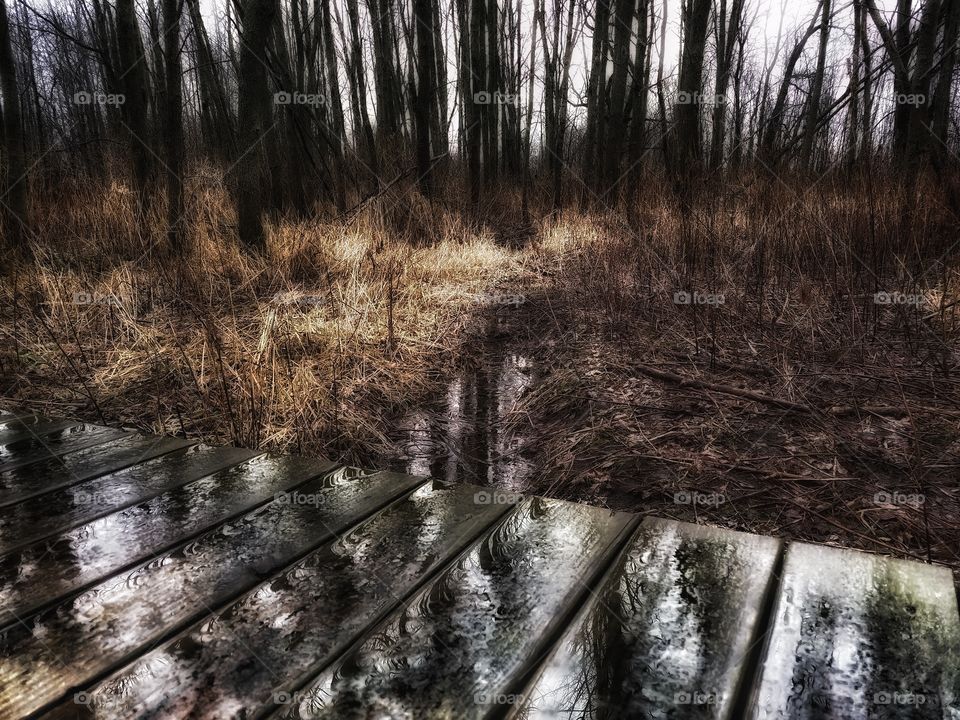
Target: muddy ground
{"type": "Point", "coordinates": [550, 399]}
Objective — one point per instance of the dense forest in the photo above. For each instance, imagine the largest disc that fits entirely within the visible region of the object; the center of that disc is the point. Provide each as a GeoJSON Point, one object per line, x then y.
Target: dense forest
{"type": "Point", "coordinates": [631, 252]}
{"type": "Point", "coordinates": [306, 105]}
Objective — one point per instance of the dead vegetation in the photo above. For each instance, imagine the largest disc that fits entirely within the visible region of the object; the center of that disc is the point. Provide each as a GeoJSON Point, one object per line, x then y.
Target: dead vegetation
{"type": "Point", "coordinates": [786, 397]}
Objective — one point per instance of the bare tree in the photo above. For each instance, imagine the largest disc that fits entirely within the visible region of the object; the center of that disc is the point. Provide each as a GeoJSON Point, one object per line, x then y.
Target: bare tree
{"type": "Point", "coordinates": [727, 31]}
{"type": "Point", "coordinates": [425, 91]}
{"type": "Point", "coordinates": [254, 120]}
{"type": "Point", "coordinates": [133, 79]}
{"type": "Point", "coordinates": [816, 88]}
{"type": "Point", "coordinates": [173, 124]}
{"type": "Point", "coordinates": [15, 202]}
{"type": "Point", "coordinates": [690, 85]}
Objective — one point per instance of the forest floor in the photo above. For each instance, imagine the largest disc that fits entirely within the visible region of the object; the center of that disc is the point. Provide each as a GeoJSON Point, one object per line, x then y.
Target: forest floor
{"type": "Point", "coordinates": [733, 366]}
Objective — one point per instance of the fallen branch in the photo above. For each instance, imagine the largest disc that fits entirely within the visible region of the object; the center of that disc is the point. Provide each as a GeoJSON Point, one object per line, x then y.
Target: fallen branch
{"type": "Point", "coordinates": [682, 381]}
{"type": "Point", "coordinates": [836, 410]}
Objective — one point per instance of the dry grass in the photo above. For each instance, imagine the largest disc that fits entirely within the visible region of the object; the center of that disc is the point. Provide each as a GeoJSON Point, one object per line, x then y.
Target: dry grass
{"type": "Point", "coordinates": [298, 353]}
{"type": "Point", "coordinates": [291, 353]}
{"type": "Point", "coordinates": [798, 322]}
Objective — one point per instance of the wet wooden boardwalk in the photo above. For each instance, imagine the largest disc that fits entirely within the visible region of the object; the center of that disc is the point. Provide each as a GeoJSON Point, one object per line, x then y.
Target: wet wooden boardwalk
{"type": "Point", "coordinates": [151, 577]}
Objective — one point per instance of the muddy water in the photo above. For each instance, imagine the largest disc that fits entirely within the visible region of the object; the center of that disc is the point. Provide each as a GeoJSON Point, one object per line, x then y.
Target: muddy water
{"type": "Point", "coordinates": [460, 436]}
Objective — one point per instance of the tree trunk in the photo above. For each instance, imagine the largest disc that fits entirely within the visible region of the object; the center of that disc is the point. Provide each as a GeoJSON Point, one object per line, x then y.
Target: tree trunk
{"type": "Point", "coordinates": [943, 93]}
{"type": "Point", "coordinates": [16, 223]}
{"type": "Point", "coordinates": [620, 57]}
{"type": "Point", "coordinates": [690, 86]}
{"type": "Point", "coordinates": [816, 89]}
{"type": "Point", "coordinates": [255, 122]}
{"type": "Point", "coordinates": [424, 33]}
{"type": "Point", "coordinates": [774, 121]}
{"type": "Point", "coordinates": [726, 37]}
{"type": "Point", "coordinates": [173, 125]}
{"type": "Point", "coordinates": [133, 80]}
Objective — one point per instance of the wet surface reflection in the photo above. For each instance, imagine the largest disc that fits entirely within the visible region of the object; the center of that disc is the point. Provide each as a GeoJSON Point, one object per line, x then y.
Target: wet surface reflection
{"type": "Point", "coordinates": [456, 648]}
{"type": "Point", "coordinates": [861, 637]}
{"type": "Point", "coordinates": [29, 450]}
{"type": "Point", "coordinates": [52, 568]}
{"type": "Point", "coordinates": [667, 636]}
{"type": "Point", "coordinates": [14, 429]}
{"type": "Point", "coordinates": [58, 472]}
{"type": "Point", "coordinates": [65, 646]}
{"type": "Point", "coordinates": [464, 436]}
{"type": "Point", "coordinates": [245, 656]}
{"type": "Point", "coordinates": [38, 517]}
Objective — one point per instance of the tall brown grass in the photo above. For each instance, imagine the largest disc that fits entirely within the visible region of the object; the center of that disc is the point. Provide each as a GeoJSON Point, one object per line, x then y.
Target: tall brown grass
{"type": "Point", "coordinates": [353, 317]}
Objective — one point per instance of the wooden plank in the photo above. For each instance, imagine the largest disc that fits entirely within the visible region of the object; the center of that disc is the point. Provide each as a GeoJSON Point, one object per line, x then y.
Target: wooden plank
{"type": "Point", "coordinates": [860, 636]}
{"type": "Point", "coordinates": [6, 415]}
{"type": "Point", "coordinates": [71, 561]}
{"type": "Point", "coordinates": [668, 635]}
{"type": "Point", "coordinates": [239, 659]}
{"type": "Point", "coordinates": [30, 427]}
{"type": "Point", "coordinates": [68, 645]}
{"type": "Point", "coordinates": [58, 472]}
{"type": "Point", "coordinates": [42, 516]}
{"type": "Point", "coordinates": [473, 632]}
{"type": "Point", "coordinates": [56, 444]}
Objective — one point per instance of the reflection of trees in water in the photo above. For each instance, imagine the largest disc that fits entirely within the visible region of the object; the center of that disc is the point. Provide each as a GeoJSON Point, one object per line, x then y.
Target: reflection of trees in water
{"type": "Point", "coordinates": [811, 694]}
{"type": "Point", "coordinates": [913, 653]}
{"type": "Point", "coordinates": [656, 633]}
{"type": "Point", "coordinates": [481, 617]}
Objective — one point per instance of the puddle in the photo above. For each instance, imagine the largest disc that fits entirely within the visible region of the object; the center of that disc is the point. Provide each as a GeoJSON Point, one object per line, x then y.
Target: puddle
{"type": "Point", "coordinates": [461, 436]}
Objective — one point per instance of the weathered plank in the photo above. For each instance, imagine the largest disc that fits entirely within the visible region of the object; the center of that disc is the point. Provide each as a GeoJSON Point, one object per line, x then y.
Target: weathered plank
{"type": "Point", "coordinates": [7, 415]}
{"type": "Point", "coordinates": [46, 655]}
{"type": "Point", "coordinates": [238, 660]}
{"type": "Point", "coordinates": [668, 634]}
{"type": "Point", "coordinates": [57, 472]}
{"type": "Point", "coordinates": [465, 640]}
{"type": "Point", "coordinates": [23, 452]}
{"type": "Point", "coordinates": [17, 429]}
{"type": "Point", "coordinates": [39, 517]}
{"type": "Point", "coordinates": [50, 570]}
{"type": "Point", "coordinates": [860, 636]}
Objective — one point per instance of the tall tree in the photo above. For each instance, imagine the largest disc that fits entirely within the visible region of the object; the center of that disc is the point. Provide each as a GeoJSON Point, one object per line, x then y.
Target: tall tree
{"type": "Point", "coordinates": [425, 91]}
{"type": "Point", "coordinates": [15, 200]}
{"type": "Point", "coordinates": [690, 85]}
{"type": "Point", "coordinates": [727, 30]}
{"type": "Point", "coordinates": [254, 121]}
{"type": "Point", "coordinates": [173, 123]}
{"type": "Point", "coordinates": [616, 104]}
{"type": "Point", "coordinates": [134, 81]}
{"type": "Point", "coordinates": [774, 121]}
{"type": "Point", "coordinates": [816, 88]}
